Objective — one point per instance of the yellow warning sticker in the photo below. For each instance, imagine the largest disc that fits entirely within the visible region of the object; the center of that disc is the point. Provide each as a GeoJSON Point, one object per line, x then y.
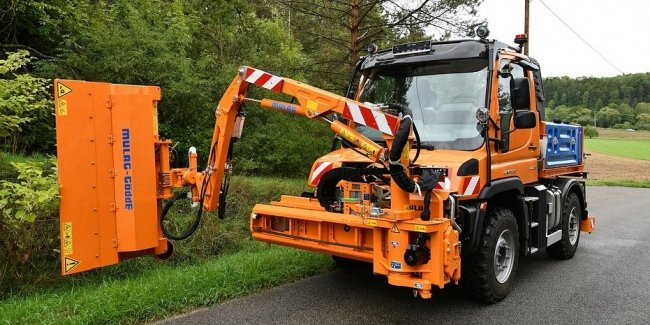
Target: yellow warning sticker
{"type": "Point", "coordinates": [420, 228]}
{"type": "Point", "coordinates": [70, 263]}
{"type": "Point", "coordinates": [312, 105]}
{"type": "Point", "coordinates": [67, 238]}
{"type": "Point", "coordinates": [62, 89]}
{"type": "Point", "coordinates": [371, 222]}
{"type": "Point", "coordinates": [394, 228]}
{"type": "Point", "coordinates": [62, 109]}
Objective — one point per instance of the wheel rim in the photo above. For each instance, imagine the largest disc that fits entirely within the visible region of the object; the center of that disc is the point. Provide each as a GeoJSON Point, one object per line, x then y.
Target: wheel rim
{"type": "Point", "coordinates": [573, 227]}
{"type": "Point", "coordinates": [504, 256]}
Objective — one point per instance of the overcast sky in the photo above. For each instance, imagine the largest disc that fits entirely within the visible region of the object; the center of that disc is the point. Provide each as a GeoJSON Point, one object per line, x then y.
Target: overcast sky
{"type": "Point", "coordinates": [619, 30]}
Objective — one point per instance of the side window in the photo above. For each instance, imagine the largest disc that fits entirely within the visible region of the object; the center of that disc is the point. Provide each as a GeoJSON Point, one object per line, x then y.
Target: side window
{"type": "Point", "coordinates": [505, 104]}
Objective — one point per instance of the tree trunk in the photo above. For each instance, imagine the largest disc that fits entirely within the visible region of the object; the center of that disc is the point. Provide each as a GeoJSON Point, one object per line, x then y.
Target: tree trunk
{"type": "Point", "coordinates": [354, 33]}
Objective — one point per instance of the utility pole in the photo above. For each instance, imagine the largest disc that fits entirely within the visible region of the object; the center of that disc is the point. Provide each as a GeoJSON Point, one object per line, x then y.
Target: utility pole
{"type": "Point", "coordinates": [526, 31]}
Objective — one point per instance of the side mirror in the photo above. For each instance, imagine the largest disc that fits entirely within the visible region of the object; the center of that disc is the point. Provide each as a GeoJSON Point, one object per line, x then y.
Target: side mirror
{"type": "Point", "coordinates": [525, 119]}
{"type": "Point", "coordinates": [519, 88]}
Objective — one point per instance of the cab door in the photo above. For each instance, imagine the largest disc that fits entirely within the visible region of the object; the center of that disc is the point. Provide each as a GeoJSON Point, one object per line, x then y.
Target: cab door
{"type": "Point", "coordinates": [518, 148]}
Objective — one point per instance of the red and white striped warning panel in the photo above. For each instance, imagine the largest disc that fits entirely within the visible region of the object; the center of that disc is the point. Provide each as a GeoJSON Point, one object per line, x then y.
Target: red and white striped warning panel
{"type": "Point", "coordinates": [470, 185]}
{"type": "Point", "coordinates": [379, 121]}
{"type": "Point", "coordinates": [319, 171]}
{"type": "Point", "coordinates": [444, 183]}
{"type": "Point", "coordinates": [263, 79]}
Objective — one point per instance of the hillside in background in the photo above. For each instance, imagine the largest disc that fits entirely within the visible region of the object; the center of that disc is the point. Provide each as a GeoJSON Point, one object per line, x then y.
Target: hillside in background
{"type": "Point", "coordinates": [621, 102]}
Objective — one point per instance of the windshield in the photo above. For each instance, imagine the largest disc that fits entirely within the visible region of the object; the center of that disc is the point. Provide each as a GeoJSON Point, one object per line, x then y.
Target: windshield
{"type": "Point", "coordinates": [443, 96]}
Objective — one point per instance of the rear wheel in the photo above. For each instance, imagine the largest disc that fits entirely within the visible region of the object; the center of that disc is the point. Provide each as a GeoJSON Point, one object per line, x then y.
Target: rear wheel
{"type": "Point", "coordinates": [487, 275]}
{"type": "Point", "coordinates": [570, 225]}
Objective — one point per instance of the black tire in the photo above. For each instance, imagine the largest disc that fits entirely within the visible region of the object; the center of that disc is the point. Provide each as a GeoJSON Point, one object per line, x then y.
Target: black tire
{"type": "Point", "coordinates": [480, 277]}
{"type": "Point", "coordinates": [570, 225]}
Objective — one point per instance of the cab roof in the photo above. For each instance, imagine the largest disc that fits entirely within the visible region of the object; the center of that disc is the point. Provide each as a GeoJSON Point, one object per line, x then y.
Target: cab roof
{"type": "Point", "coordinates": [427, 51]}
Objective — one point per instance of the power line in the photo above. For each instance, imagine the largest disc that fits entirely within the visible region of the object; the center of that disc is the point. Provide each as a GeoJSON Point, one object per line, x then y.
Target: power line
{"type": "Point", "coordinates": [580, 37]}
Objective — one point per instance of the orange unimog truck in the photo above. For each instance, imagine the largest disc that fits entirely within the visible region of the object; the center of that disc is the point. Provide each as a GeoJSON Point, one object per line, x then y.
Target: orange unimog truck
{"type": "Point", "coordinates": [445, 169]}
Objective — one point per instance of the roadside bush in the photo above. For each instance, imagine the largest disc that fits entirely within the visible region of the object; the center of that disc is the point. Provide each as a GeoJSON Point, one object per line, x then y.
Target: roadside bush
{"type": "Point", "coordinates": [28, 223]}
{"type": "Point", "coordinates": [24, 104]}
{"type": "Point", "coordinates": [591, 131]}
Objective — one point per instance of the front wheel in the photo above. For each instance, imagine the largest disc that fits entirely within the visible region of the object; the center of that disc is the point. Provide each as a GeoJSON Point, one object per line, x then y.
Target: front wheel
{"type": "Point", "coordinates": [488, 274]}
{"type": "Point", "coordinates": [570, 225]}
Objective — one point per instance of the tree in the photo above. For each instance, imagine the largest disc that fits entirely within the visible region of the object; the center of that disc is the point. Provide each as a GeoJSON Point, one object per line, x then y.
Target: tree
{"type": "Point", "coordinates": [334, 33]}
{"type": "Point", "coordinates": [627, 113]}
{"type": "Point", "coordinates": [591, 131]}
{"type": "Point", "coordinates": [607, 117]}
{"type": "Point", "coordinates": [41, 26]}
{"type": "Point", "coordinates": [642, 108]}
{"type": "Point", "coordinates": [643, 121]}
{"type": "Point", "coordinates": [22, 98]}
{"type": "Point", "coordinates": [582, 116]}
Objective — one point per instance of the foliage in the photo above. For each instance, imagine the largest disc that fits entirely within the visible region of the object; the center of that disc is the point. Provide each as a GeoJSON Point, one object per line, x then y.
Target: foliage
{"type": "Point", "coordinates": [591, 131]}
{"type": "Point", "coordinates": [334, 33]}
{"type": "Point", "coordinates": [28, 222]}
{"type": "Point", "coordinates": [163, 290]}
{"type": "Point", "coordinates": [643, 121]}
{"type": "Point", "coordinates": [595, 93]}
{"type": "Point", "coordinates": [29, 243]}
{"type": "Point", "coordinates": [608, 116]}
{"type": "Point", "coordinates": [23, 98]}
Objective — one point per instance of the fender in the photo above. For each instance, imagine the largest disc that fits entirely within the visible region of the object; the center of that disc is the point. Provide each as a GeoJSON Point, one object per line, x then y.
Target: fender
{"type": "Point", "coordinates": [477, 220]}
{"type": "Point", "coordinates": [501, 185]}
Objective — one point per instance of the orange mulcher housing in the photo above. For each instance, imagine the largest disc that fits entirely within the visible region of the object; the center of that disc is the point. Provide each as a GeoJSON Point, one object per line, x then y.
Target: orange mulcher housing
{"type": "Point", "coordinates": [114, 174]}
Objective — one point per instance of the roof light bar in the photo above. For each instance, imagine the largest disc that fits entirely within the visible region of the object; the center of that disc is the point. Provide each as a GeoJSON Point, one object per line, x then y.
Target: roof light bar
{"type": "Point", "coordinates": [412, 48]}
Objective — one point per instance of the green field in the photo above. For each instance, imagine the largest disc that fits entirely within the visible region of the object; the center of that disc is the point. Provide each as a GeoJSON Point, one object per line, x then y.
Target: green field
{"type": "Point", "coordinates": [631, 148]}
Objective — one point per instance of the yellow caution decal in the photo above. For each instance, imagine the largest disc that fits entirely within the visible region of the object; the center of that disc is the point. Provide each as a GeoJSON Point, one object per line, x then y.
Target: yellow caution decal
{"type": "Point", "coordinates": [62, 90]}
{"type": "Point", "coordinates": [70, 263]}
{"type": "Point", "coordinates": [67, 238]}
{"type": "Point", "coordinates": [420, 228]}
{"type": "Point", "coordinates": [371, 222]}
{"type": "Point", "coordinates": [394, 228]}
{"type": "Point", "coordinates": [312, 106]}
{"type": "Point", "coordinates": [62, 108]}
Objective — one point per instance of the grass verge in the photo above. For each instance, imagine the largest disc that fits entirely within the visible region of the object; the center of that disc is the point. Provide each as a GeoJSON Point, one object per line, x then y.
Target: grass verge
{"type": "Point", "coordinates": [166, 289]}
{"type": "Point", "coordinates": [619, 182]}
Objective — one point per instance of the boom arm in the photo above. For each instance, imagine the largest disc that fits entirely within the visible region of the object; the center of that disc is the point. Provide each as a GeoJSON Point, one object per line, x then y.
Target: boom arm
{"type": "Point", "coordinates": [311, 102]}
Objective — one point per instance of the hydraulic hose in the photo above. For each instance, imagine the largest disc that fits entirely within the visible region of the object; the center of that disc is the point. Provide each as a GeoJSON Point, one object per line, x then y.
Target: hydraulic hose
{"type": "Point", "coordinates": [165, 211]}
{"type": "Point", "coordinates": [397, 170]}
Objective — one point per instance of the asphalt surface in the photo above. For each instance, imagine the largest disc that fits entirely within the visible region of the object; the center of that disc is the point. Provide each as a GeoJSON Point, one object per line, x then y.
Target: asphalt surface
{"type": "Point", "coordinates": [607, 282]}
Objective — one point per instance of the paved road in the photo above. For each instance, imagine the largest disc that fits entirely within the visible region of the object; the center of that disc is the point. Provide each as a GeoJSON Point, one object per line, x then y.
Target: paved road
{"type": "Point", "coordinates": [607, 282]}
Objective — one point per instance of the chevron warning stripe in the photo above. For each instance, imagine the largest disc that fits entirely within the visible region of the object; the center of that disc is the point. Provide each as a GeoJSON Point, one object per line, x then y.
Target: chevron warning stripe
{"type": "Point", "coordinates": [379, 121]}
{"type": "Point", "coordinates": [319, 171]}
{"type": "Point", "coordinates": [444, 183]}
{"type": "Point", "coordinates": [263, 79]}
{"type": "Point", "coordinates": [471, 185]}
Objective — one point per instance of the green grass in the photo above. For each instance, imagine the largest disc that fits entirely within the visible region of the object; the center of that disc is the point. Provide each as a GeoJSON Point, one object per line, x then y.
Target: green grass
{"type": "Point", "coordinates": [619, 182]}
{"type": "Point", "coordinates": [631, 148]}
{"type": "Point", "coordinates": [219, 262]}
{"type": "Point", "coordinates": [165, 289]}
